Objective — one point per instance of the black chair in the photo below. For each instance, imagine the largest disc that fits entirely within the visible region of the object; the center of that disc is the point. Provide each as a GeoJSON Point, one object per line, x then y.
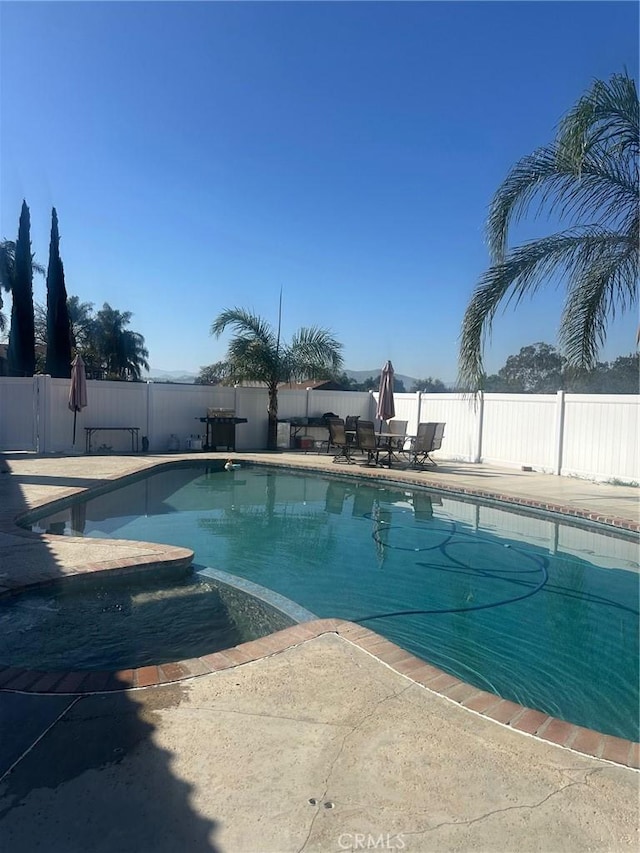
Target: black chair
{"type": "Point", "coordinates": [326, 442]}
{"type": "Point", "coordinates": [351, 427]}
{"type": "Point", "coordinates": [338, 439]}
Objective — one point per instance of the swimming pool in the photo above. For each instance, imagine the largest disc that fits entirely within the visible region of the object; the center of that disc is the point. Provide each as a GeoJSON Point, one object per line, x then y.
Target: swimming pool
{"type": "Point", "coordinates": [540, 612]}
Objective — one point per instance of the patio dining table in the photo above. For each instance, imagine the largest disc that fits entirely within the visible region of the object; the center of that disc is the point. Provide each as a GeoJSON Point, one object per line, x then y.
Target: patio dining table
{"type": "Point", "coordinates": [385, 444]}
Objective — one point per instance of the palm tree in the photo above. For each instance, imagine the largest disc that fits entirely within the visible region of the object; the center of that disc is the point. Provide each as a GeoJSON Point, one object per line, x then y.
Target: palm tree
{"type": "Point", "coordinates": [256, 353]}
{"type": "Point", "coordinates": [8, 272]}
{"type": "Point", "coordinates": [589, 176]}
{"type": "Point", "coordinates": [121, 352]}
{"type": "Point", "coordinates": [82, 322]}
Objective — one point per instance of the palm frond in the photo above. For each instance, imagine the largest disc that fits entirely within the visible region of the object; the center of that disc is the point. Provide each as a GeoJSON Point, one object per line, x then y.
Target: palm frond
{"type": "Point", "coordinates": [314, 353]}
{"type": "Point", "coordinates": [605, 286]}
{"type": "Point", "coordinates": [605, 191]}
{"type": "Point", "coordinates": [8, 264]}
{"type": "Point", "coordinates": [567, 255]}
{"type": "Point", "coordinates": [252, 359]}
{"type": "Point", "coordinates": [606, 116]}
{"type": "Point", "coordinates": [589, 177]}
{"type": "Point", "coordinates": [245, 323]}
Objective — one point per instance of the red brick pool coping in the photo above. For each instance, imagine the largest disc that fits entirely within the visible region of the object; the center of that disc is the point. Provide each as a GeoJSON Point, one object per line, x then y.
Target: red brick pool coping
{"type": "Point", "coordinates": [517, 717]}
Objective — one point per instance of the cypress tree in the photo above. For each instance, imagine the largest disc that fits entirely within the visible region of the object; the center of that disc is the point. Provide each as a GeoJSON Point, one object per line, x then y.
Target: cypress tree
{"type": "Point", "coordinates": [58, 326]}
{"type": "Point", "coordinates": [21, 352]}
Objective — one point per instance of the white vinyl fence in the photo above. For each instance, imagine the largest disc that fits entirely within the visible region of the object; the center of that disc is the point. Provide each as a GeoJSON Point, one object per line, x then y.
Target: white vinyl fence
{"type": "Point", "coordinates": [590, 436]}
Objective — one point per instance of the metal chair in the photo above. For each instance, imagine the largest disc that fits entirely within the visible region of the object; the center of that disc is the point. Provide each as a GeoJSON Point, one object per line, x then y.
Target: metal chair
{"type": "Point", "coordinates": [338, 439]}
{"type": "Point", "coordinates": [367, 441]}
{"type": "Point", "coordinates": [398, 428]}
{"type": "Point", "coordinates": [428, 439]}
{"type": "Point", "coordinates": [351, 428]}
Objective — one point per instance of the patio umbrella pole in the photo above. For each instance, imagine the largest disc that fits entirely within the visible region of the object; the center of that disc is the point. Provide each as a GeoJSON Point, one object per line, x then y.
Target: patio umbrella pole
{"type": "Point", "coordinates": [77, 391]}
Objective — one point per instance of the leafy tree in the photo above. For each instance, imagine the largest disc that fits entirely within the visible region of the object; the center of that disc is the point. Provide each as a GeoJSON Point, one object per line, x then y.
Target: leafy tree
{"type": "Point", "coordinates": [211, 374]}
{"type": "Point", "coordinates": [621, 376]}
{"type": "Point", "coordinates": [108, 348]}
{"type": "Point", "coordinates": [256, 353]}
{"type": "Point", "coordinates": [536, 369]}
{"type": "Point", "coordinates": [82, 322]}
{"type": "Point", "coordinates": [58, 361]}
{"type": "Point", "coordinates": [541, 369]}
{"type": "Point", "coordinates": [40, 335]}
{"type": "Point", "coordinates": [429, 386]}
{"type": "Point", "coordinates": [347, 382]}
{"type": "Point", "coordinates": [21, 355]}
{"type": "Point", "coordinates": [589, 176]}
{"type": "Point", "coordinates": [372, 383]}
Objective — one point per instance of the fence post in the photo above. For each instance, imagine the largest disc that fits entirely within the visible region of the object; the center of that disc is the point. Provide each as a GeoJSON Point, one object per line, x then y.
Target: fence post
{"type": "Point", "coordinates": [559, 437]}
{"type": "Point", "coordinates": [42, 406]}
{"type": "Point", "coordinates": [418, 408]}
{"type": "Point", "coordinates": [35, 426]}
{"type": "Point", "coordinates": [479, 426]}
{"type": "Point", "coordinates": [150, 413]}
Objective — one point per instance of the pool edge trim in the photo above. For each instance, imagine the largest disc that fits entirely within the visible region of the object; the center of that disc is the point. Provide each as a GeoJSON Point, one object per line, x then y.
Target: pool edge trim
{"type": "Point", "coordinates": [519, 718]}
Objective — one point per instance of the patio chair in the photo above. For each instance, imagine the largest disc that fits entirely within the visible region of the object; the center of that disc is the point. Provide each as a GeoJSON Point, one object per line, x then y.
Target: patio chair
{"type": "Point", "coordinates": [351, 428]}
{"type": "Point", "coordinates": [367, 440]}
{"type": "Point", "coordinates": [338, 439]}
{"type": "Point", "coordinates": [398, 428]}
{"type": "Point", "coordinates": [428, 439]}
{"type": "Point", "coordinates": [436, 444]}
{"type": "Point", "coordinates": [325, 443]}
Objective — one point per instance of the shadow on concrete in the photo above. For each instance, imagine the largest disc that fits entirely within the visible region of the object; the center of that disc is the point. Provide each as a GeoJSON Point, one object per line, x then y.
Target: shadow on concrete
{"type": "Point", "coordinates": [88, 767]}
{"type": "Point", "coordinates": [72, 482]}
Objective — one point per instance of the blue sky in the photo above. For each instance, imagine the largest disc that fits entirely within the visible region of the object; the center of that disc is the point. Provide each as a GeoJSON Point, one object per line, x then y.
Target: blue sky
{"type": "Point", "coordinates": [203, 155]}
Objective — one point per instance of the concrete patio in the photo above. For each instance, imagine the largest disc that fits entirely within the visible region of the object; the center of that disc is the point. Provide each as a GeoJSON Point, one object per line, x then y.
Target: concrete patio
{"type": "Point", "coordinates": [322, 746]}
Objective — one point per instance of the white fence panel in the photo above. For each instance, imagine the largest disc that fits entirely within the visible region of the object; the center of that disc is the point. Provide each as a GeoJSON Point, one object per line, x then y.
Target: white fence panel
{"type": "Point", "coordinates": [113, 404]}
{"type": "Point", "coordinates": [293, 404]}
{"type": "Point", "coordinates": [593, 436]}
{"type": "Point", "coordinates": [174, 410]}
{"type": "Point", "coordinates": [341, 403]}
{"type": "Point", "coordinates": [520, 429]}
{"type": "Point", "coordinates": [251, 403]}
{"type": "Point", "coordinates": [18, 414]}
{"type": "Point", "coordinates": [56, 427]}
{"type": "Point", "coordinates": [601, 437]}
{"type": "Point", "coordinates": [406, 406]}
{"type": "Point", "coordinates": [460, 415]}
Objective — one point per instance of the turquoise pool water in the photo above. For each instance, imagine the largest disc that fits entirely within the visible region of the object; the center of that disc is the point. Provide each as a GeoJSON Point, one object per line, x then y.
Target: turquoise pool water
{"type": "Point", "coordinates": [542, 613]}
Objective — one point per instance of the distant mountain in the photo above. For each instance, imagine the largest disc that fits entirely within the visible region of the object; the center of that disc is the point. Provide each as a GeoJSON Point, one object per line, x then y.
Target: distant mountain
{"type": "Point", "coordinates": [189, 378]}
{"type": "Point", "coordinates": [172, 376]}
{"type": "Point", "coordinates": [361, 375]}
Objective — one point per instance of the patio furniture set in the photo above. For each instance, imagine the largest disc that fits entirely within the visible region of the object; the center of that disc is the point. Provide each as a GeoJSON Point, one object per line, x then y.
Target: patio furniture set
{"type": "Point", "coordinates": [384, 447]}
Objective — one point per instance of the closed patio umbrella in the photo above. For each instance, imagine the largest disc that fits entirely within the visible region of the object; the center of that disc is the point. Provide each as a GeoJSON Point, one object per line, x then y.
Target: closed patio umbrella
{"type": "Point", "coordinates": [386, 408]}
{"type": "Point", "coordinates": [77, 390]}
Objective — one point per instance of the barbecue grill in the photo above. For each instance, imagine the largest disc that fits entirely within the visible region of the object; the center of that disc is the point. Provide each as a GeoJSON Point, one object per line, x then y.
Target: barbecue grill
{"type": "Point", "coordinates": [221, 429]}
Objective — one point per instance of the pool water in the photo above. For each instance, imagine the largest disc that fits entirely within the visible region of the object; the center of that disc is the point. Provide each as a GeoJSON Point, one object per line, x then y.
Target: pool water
{"type": "Point", "coordinates": [542, 613]}
{"type": "Point", "coordinates": [112, 623]}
